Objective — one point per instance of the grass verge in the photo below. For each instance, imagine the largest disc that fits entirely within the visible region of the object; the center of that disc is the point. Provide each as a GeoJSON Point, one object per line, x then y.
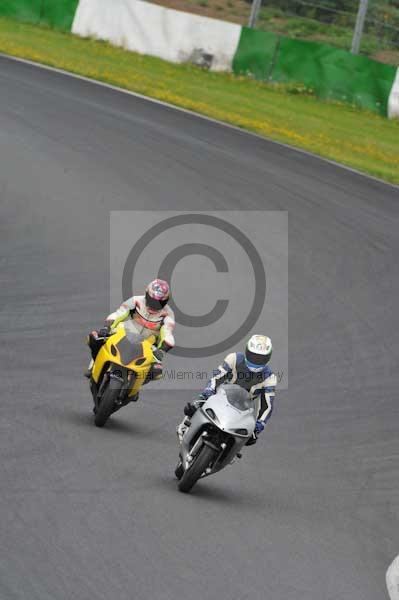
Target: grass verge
{"type": "Point", "coordinates": [356, 138]}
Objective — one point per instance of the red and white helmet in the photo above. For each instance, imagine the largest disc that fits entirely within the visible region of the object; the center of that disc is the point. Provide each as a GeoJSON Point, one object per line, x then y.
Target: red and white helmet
{"type": "Point", "coordinates": [157, 295]}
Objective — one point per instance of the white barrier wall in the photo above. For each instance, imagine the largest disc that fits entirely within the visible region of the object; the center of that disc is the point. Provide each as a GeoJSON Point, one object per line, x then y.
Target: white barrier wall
{"type": "Point", "coordinates": [151, 29]}
{"type": "Point", "coordinates": [392, 576]}
{"type": "Point", "coordinates": [393, 101]}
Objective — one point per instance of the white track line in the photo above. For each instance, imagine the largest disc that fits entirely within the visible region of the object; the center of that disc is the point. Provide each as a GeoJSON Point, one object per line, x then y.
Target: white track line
{"type": "Point", "coordinates": [194, 114]}
{"type": "Point", "coordinates": [392, 579]}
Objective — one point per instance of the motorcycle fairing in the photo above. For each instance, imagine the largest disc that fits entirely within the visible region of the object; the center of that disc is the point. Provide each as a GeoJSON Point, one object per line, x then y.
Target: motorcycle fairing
{"type": "Point", "coordinates": [128, 349]}
{"type": "Point", "coordinates": [228, 417]}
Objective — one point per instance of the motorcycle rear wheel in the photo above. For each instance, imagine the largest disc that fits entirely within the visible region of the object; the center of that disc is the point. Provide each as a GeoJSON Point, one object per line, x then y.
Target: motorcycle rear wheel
{"type": "Point", "coordinates": [106, 406]}
{"type": "Point", "coordinates": [190, 477]}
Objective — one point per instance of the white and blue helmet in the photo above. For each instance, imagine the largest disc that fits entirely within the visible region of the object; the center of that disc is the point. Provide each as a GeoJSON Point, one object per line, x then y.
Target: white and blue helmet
{"type": "Point", "coordinates": [258, 352]}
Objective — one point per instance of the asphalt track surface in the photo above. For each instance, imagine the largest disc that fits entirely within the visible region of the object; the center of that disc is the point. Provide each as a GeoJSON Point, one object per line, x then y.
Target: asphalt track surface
{"type": "Point", "coordinates": [312, 513]}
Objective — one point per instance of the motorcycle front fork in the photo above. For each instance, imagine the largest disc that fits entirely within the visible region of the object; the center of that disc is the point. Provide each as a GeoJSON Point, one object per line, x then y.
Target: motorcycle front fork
{"type": "Point", "coordinates": [182, 428]}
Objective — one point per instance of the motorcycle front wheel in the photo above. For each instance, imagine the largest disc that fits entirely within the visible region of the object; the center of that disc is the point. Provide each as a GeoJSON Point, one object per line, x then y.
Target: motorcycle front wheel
{"type": "Point", "coordinates": [179, 470]}
{"type": "Point", "coordinates": [106, 406]}
{"type": "Point", "coordinates": [190, 477]}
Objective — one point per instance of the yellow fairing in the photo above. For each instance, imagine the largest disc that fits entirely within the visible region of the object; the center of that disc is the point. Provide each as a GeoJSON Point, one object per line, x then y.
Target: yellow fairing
{"type": "Point", "coordinates": [117, 348]}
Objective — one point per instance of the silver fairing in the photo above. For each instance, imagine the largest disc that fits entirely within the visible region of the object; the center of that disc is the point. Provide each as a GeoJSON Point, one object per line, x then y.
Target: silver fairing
{"type": "Point", "coordinates": [228, 417]}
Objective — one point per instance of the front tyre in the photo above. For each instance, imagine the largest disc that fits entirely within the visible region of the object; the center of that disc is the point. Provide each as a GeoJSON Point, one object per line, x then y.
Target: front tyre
{"type": "Point", "coordinates": [179, 470]}
{"type": "Point", "coordinates": [190, 477]}
{"type": "Point", "coordinates": [106, 406]}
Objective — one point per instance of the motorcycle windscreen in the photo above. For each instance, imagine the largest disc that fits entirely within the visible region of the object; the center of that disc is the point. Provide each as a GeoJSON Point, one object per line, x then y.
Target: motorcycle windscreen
{"type": "Point", "coordinates": [130, 347]}
{"type": "Point", "coordinates": [237, 396]}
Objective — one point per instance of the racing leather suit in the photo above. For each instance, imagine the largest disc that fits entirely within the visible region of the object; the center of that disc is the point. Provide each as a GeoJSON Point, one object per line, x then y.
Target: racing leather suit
{"type": "Point", "coordinates": [160, 323]}
{"type": "Point", "coordinates": [260, 385]}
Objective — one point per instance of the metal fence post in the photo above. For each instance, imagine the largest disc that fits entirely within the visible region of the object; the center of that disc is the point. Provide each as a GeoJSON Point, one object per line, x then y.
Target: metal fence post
{"type": "Point", "coordinates": [253, 17]}
{"type": "Point", "coordinates": [358, 31]}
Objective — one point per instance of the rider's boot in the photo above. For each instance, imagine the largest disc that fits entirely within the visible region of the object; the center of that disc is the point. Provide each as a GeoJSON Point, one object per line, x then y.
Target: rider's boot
{"type": "Point", "coordinates": [89, 370]}
{"type": "Point", "coordinates": [252, 440]}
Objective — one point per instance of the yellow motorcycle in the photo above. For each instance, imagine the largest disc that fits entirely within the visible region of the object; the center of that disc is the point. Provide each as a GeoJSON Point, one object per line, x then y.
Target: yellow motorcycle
{"type": "Point", "coordinates": [123, 364]}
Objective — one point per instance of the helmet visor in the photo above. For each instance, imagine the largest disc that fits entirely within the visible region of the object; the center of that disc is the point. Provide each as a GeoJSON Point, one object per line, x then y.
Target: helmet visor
{"type": "Point", "coordinates": [257, 359]}
{"type": "Point", "coordinates": [154, 304]}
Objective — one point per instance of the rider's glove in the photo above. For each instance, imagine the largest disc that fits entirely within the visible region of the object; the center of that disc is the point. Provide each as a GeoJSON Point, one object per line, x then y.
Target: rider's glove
{"type": "Point", "coordinates": [158, 354]}
{"type": "Point", "coordinates": [189, 409]}
{"type": "Point", "coordinates": [201, 399]}
{"type": "Point", "coordinates": [260, 425]}
{"type": "Point", "coordinates": [165, 347]}
{"type": "Point", "coordinates": [103, 332]}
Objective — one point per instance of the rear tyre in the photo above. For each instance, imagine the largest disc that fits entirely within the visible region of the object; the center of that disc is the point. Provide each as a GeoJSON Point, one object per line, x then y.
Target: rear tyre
{"type": "Point", "coordinates": [106, 406]}
{"type": "Point", "coordinates": [190, 477]}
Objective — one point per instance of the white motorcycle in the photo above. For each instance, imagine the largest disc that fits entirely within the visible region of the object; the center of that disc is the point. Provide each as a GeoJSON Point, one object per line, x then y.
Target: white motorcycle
{"type": "Point", "coordinates": [218, 431]}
